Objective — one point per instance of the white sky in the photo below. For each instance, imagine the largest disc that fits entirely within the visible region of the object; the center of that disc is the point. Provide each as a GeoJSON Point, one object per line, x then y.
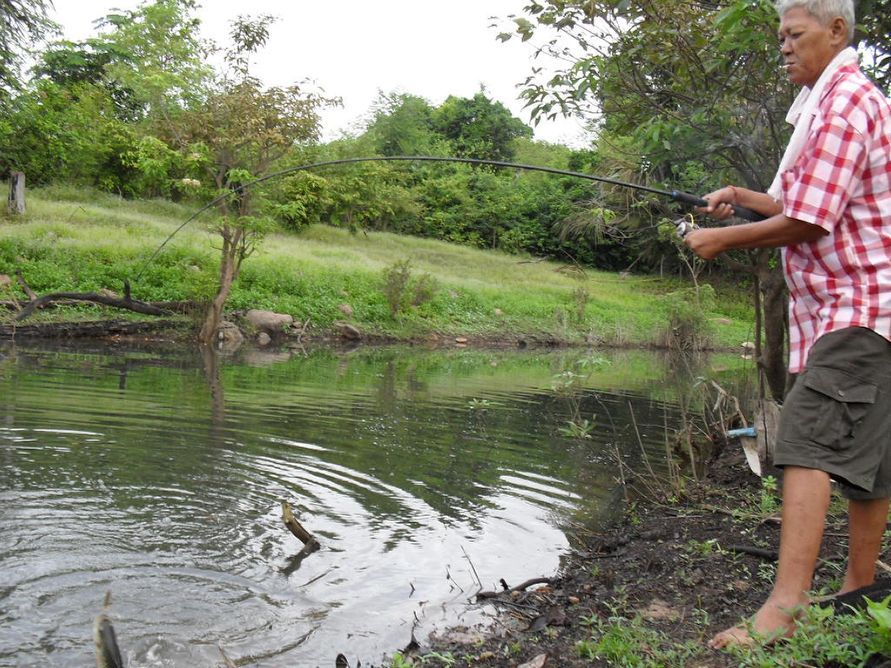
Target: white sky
{"type": "Point", "coordinates": [354, 48]}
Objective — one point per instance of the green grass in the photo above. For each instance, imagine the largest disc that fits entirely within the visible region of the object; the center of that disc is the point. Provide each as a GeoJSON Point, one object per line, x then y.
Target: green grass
{"type": "Point", "coordinates": [82, 240]}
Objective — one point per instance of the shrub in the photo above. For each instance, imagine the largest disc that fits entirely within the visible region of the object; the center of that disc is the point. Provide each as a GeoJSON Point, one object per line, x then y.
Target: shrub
{"type": "Point", "coordinates": [689, 328]}
{"type": "Point", "coordinates": [402, 290]}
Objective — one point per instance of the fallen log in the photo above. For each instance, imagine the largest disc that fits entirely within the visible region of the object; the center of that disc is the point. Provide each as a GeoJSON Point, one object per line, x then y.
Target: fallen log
{"type": "Point", "coordinates": [93, 297]}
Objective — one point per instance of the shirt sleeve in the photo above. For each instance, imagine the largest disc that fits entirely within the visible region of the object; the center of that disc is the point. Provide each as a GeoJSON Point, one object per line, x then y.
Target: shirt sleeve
{"type": "Point", "coordinates": [820, 185]}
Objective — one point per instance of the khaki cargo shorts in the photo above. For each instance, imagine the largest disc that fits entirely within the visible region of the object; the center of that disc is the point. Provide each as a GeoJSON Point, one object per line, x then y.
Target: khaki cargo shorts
{"type": "Point", "coordinates": [837, 417]}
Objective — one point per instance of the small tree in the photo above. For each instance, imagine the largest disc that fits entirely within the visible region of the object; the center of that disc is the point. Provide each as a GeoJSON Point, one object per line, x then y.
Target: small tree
{"type": "Point", "coordinates": [244, 128]}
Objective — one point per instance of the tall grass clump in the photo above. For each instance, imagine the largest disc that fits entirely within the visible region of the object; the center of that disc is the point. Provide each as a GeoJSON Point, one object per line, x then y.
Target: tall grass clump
{"type": "Point", "coordinates": [403, 290]}
{"type": "Point", "coordinates": [689, 328]}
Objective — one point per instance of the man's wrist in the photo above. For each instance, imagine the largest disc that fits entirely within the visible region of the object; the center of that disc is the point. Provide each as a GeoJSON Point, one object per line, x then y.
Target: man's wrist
{"type": "Point", "coordinates": [734, 193]}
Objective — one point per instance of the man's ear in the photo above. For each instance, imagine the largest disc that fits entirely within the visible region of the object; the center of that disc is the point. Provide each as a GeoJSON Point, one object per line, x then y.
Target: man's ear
{"type": "Point", "coordinates": [838, 28]}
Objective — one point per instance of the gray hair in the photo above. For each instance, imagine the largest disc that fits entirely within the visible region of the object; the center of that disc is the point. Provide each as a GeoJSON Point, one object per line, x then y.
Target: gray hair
{"type": "Point", "coordinates": [823, 10]}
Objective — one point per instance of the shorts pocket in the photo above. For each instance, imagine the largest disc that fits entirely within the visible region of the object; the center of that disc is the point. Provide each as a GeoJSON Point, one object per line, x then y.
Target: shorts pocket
{"type": "Point", "coordinates": [837, 403]}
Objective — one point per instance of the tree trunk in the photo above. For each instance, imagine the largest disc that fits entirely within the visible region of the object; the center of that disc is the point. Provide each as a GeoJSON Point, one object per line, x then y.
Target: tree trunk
{"type": "Point", "coordinates": [16, 204]}
{"type": "Point", "coordinates": [772, 361]}
{"type": "Point", "coordinates": [229, 263]}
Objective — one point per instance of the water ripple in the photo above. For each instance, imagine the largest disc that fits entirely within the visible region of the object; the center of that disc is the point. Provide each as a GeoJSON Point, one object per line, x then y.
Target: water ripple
{"type": "Point", "coordinates": [127, 474]}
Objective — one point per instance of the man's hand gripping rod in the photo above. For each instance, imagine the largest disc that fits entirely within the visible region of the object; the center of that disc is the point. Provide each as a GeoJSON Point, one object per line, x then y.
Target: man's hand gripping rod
{"type": "Point", "coordinates": [686, 224]}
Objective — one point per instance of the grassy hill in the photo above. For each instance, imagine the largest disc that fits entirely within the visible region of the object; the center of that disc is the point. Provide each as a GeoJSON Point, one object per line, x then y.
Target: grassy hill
{"type": "Point", "coordinates": [82, 240]}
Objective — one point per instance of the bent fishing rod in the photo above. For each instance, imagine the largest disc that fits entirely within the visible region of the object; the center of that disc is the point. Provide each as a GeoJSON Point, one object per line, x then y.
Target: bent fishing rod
{"type": "Point", "coordinates": [674, 195]}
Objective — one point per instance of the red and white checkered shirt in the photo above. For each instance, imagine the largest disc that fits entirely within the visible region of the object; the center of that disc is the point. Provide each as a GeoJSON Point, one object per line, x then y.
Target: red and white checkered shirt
{"type": "Point", "coordinates": [841, 182]}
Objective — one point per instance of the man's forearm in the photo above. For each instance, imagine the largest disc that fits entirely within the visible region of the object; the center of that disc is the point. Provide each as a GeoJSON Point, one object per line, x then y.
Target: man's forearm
{"type": "Point", "coordinates": [757, 201]}
{"type": "Point", "coordinates": [778, 230]}
{"type": "Point", "coordinates": [772, 232]}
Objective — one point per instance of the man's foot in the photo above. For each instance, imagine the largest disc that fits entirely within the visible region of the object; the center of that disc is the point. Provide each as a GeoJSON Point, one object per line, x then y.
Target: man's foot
{"type": "Point", "coordinates": [850, 584]}
{"type": "Point", "coordinates": [772, 622]}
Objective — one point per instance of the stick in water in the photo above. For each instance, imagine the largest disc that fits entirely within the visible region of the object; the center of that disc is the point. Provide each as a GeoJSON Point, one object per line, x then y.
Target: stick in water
{"type": "Point", "coordinates": [108, 655]}
{"type": "Point", "coordinates": [297, 529]}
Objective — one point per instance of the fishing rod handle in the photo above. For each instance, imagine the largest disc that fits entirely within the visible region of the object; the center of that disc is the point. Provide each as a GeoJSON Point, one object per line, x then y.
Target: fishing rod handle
{"type": "Point", "coordinates": [694, 200]}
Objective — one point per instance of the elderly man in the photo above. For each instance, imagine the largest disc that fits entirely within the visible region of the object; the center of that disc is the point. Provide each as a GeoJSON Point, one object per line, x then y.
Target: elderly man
{"type": "Point", "coordinates": [830, 208]}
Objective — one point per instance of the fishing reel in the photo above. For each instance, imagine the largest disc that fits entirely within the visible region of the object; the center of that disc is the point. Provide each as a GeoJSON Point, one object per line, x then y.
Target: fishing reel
{"type": "Point", "coordinates": [684, 225]}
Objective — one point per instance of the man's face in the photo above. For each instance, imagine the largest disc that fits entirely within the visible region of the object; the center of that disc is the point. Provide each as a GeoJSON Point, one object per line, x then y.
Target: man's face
{"type": "Point", "coordinates": [807, 45]}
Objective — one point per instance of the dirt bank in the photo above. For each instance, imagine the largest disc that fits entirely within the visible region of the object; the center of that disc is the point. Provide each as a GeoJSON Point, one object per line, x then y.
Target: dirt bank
{"type": "Point", "coordinates": [676, 572]}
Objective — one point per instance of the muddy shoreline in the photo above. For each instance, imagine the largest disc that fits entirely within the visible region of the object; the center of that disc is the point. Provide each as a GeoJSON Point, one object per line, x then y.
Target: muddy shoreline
{"type": "Point", "coordinates": [180, 331]}
{"type": "Point", "coordinates": [684, 569]}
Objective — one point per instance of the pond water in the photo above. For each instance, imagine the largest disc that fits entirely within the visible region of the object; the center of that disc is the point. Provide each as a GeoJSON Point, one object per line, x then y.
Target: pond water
{"type": "Point", "coordinates": [157, 475]}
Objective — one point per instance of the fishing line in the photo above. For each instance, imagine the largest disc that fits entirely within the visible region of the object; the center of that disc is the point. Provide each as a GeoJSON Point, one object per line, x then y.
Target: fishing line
{"type": "Point", "coordinates": [674, 195]}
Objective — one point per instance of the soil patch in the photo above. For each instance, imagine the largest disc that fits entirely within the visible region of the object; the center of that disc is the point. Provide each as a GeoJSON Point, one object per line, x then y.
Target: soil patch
{"type": "Point", "coordinates": [686, 570]}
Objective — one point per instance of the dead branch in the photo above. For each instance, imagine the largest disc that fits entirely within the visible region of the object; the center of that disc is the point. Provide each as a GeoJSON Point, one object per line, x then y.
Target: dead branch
{"type": "Point", "coordinates": [25, 287]}
{"type": "Point", "coordinates": [105, 300]}
{"type": "Point", "coordinates": [520, 587]}
{"type": "Point", "coordinates": [768, 555]}
{"type": "Point", "coordinates": [229, 662]}
{"type": "Point", "coordinates": [294, 526]}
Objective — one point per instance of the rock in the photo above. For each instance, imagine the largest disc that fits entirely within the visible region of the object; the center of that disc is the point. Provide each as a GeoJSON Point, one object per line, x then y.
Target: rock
{"type": "Point", "coordinates": [659, 610]}
{"type": "Point", "coordinates": [593, 339]}
{"type": "Point", "coordinates": [348, 331]}
{"type": "Point", "coordinates": [453, 294]}
{"type": "Point", "coordinates": [461, 340]}
{"type": "Point", "coordinates": [538, 662]}
{"type": "Point", "coordinates": [263, 339]}
{"type": "Point", "coordinates": [4, 280]}
{"type": "Point", "coordinates": [574, 600]}
{"type": "Point", "coordinates": [346, 309]}
{"type": "Point", "coordinates": [268, 321]}
{"type": "Point", "coordinates": [748, 347]}
{"type": "Point", "coordinates": [462, 635]}
{"type": "Point", "coordinates": [229, 338]}
{"type": "Point", "coordinates": [499, 312]}
{"type": "Point", "coordinates": [111, 294]}
{"type": "Point", "coordinates": [624, 275]}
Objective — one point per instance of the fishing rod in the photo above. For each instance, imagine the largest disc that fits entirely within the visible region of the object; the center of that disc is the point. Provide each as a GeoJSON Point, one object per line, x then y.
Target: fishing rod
{"type": "Point", "coordinates": [674, 195]}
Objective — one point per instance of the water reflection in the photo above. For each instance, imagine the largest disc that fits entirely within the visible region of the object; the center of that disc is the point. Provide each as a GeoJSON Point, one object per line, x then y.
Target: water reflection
{"type": "Point", "coordinates": [158, 476]}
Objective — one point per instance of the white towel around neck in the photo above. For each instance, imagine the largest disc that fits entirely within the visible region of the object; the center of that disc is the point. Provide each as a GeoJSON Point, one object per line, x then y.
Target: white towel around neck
{"type": "Point", "coordinates": [801, 115]}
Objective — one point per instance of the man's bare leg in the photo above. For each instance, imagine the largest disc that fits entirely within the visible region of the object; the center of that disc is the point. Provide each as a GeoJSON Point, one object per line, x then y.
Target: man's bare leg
{"type": "Point", "coordinates": [866, 527]}
{"type": "Point", "coordinates": [805, 503]}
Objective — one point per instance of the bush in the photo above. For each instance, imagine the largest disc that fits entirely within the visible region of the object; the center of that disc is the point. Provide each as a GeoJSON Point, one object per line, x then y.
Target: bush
{"type": "Point", "coordinates": [403, 291]}
{"type": "Point", "coordinates": [689, 328]}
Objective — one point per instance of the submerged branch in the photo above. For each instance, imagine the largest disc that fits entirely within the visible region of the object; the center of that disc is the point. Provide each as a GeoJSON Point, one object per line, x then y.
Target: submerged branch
{"type": "Point", "coordinates": [520, 587]}
{"type": "Point", "coordinates": [294, 526]}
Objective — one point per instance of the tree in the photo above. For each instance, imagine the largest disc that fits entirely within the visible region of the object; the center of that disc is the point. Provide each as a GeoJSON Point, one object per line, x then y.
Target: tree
{"type": "Point", "coordinates": [22, 23]}
{"type": "Point", "coordinates": [682, 94]}
{"type": "Point", "coordinates": [874, 39]}
{"type": "Point", "coordinates": [60, 133]}
{"type": "Point", "coordinates": [685, 94]}
{"type": "Point", "coordinates": [103, 111]}
{"type": "Point", "coordinates": [151, 60]}
{"type": "Point", "coordinates": [154, 52]}
{"type": "Point", "coordinates": [479, 128]}
{"type": "Point", "coordinates": [243, 128]}
{"type": "Point", "coordinates": [402, 124]}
